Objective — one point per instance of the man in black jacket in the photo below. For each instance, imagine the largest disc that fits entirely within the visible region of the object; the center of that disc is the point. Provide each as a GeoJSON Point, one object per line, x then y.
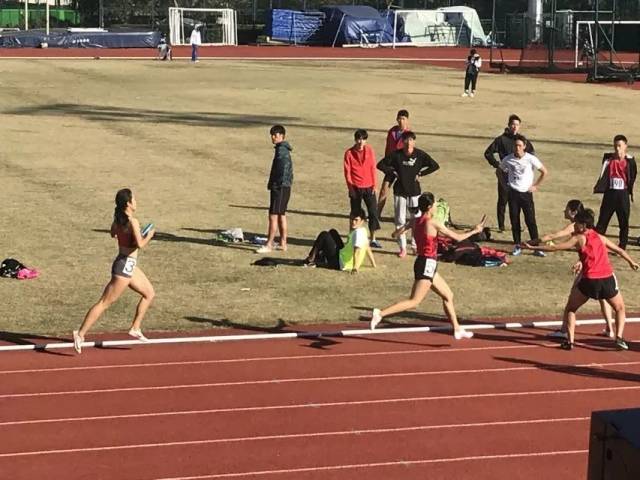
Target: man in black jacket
{"type": "Point", "coordinates": [503, 146]}
{"type": "Point", "coordinates": [616, 181]}
{"type": "Point", "coordinates": [407, 165]}
{"type": "Point", "coordinates": [279, 186]}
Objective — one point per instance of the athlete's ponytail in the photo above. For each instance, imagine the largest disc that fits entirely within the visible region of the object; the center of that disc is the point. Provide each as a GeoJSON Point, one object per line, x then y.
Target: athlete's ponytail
{"type": "Point", "coordinates": [425, 201]}
{"type": "Point", "coordinates": [123, 197]}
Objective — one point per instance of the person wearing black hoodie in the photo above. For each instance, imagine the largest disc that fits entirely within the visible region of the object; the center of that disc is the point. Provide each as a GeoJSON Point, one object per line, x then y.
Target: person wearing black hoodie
{"type": "Point", "coordinates": [279, 186]}
{"type": "Point", "coordinates": [406, 166]}
{"type": "Point", "coordinates": [503, 146]}
{"type": "Point", "coordinates": [617, 176]}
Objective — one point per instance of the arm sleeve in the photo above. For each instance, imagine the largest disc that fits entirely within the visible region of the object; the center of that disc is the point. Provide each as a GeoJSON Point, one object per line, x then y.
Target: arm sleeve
{"type": "Point", "coordinates": [535, 161]}
{"type": "Point", "coordinates": [390, 145]}
{"type": "Point", "coordinates": [429, 165]}
{"type": "Point", "coordinates": [479, 63]}
{"type": "Point", "coordinates": [347, 169]}
{"type": "Point", "coordinates": [489, 154]}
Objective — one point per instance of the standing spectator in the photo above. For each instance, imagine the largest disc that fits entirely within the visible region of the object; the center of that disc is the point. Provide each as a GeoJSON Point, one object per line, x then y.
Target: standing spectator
{"type": "Point", "coordinates": [279, 185]}
{"type": "Point", "coordinates": [521, 184]}
{"type": "Point", "coordinates": [616, 181]}
{"type": "Point", "coordinates": [394, 142]}
{"type": "Point", "coordinates": [196, 41]}
{"type": "Point", "coordinates": [408, 165]}
{"type": "Point", "coordinates": [503, 146]}
{"type": "Point", "coordinates": [474, 62]}
{"type": "Point", "coordinates": [360, 174]}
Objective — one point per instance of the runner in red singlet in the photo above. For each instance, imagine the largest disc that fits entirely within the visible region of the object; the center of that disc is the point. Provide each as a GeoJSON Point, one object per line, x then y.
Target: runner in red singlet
{"type": "Point", "coordinates": [598, 281]}
{"type": "Point", "coordinates": [425, 231]}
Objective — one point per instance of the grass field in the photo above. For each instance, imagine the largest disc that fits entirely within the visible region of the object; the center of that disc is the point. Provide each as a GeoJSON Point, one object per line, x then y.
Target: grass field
{"type": "Point", "coordinates": [193, 144]}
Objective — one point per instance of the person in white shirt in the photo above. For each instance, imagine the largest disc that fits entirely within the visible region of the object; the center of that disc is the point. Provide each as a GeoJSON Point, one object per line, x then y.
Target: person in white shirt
{"type": "Point", "coordinates": [474, 62]}
{"type": "Point", "coordinates": [196, 41]}
{"type": "Point", "coordinates": [521, 183]}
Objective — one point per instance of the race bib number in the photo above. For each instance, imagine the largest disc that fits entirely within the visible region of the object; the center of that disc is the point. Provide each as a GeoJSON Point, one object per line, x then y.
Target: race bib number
{"type": "Point", "coordinates": [617, 183]}
{"type": "Point", "coordinates": [129, 266]}
{"type": "Point", "coordinates": [430, 267]}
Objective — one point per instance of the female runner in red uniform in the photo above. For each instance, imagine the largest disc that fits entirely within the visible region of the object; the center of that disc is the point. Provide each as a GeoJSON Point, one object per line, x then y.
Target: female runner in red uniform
{"type": "Point", "coordinates": [124, 271]}
{"type": "Point", "coordinates": [598, 281]}
{"type": "Point", "coordinates": [425, 231]}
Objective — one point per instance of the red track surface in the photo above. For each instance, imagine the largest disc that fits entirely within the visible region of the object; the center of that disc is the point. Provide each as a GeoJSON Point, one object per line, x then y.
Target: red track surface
{"type": "Point", "coordinates": [507, 404]}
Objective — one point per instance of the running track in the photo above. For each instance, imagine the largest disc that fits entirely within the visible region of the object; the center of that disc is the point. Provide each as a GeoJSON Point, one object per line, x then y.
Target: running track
{"type": "Point", "coordinates": [504, 405]}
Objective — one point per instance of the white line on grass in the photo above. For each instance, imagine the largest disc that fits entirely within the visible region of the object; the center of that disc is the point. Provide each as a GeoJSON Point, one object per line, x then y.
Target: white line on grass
{"type": "Point", "coordinates": [295, 436]}
{"type": "Point", "coordinates": [307, 335]}
{"type": "Point", "coordinates": [280, 381]}
{"type": "Point", "coordinates": [400, 463]}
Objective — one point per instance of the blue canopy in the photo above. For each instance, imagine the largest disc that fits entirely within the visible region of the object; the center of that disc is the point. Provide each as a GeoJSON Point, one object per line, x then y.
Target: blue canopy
{"type": "Point", "coordinates": [356, 24]}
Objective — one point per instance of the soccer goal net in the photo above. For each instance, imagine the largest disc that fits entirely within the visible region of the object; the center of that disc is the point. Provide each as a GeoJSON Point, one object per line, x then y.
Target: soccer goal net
{"type": "Point", "coordinates": [218, 26]}
{"type": "Point", "coordinates": [615, 43]}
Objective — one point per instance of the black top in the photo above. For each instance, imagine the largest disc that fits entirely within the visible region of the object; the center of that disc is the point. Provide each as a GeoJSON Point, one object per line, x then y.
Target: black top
{"type": "Point", "coordinates": [503, 146]}
{"type": "Point", "coordinates": [406, 168]}
{"type": "Point", "coordinates": [282, 168]}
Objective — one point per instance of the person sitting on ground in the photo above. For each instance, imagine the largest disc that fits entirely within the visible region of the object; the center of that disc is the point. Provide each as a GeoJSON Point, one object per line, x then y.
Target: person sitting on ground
{"type": "Point", "coordinates": [329, 251]}
{"type": "Point", "coordinates": [164, 49]}
{"type": "Point", "coordinates": [570, 212]}
{"type": "Point", "coordinates": [598, 280]}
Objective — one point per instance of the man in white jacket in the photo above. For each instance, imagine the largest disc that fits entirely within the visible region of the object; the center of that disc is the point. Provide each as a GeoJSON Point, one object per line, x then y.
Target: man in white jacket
{"type": "Point", "coordinates": [196, 41]}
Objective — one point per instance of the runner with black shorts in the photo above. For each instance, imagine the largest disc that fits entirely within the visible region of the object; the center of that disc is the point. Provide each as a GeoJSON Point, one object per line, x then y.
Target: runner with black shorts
{"type": "Point", "coordinates": [125, 271]}
{"type": "Point", "coordinates": [426, 276]}
{"type": "Point", "coordinates": [598, 281]}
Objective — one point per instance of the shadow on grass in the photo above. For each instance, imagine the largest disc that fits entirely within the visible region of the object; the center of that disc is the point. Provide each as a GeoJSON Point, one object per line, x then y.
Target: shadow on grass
{"type": "Point", "coordinates": [581, 371]}
{"type": "Point", "coordinates": [317, 341]}
{"type": "Point", "coordinates": [17, 338]}
{"type": "Point", "coordinates": [103, 113]}
{"type": "Point", "coordinates": [297, 212]}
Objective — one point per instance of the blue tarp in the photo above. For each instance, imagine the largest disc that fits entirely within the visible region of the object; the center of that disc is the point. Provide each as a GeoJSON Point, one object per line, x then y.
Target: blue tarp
{"type": "Point", "coordinates": [293, 26]}
{"type": "Point", "coordinates": [357, 24]}
{"type": "Point", "coordinates": [33, 38]}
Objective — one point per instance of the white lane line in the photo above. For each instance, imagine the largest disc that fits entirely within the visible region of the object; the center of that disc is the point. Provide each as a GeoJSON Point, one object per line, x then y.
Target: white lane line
{"type": "Point", "coordinates": [305, 335]}
{"type": "Point", "coordinates": [315, 379]}
{"type": "Point", "coordinates": [281, 358]}
{"type": "Point", "coordinates": [347, 403]}
{"type": "Point", "coordinates": [294, 436]}
{"type": "Point", "coordinates": [401, 463]}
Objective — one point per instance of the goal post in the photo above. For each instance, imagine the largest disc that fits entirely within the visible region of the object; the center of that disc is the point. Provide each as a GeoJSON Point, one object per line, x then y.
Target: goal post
{"type": "Point", "coordinates": [586, 35]}
{"type": "Point", "coordinates": [219, 26]}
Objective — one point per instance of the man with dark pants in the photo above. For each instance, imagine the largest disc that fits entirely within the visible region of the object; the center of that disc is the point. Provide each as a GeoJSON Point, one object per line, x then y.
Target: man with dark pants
{"type": "Point", "coordinates": [616, 181]}
{"type": "Point", "coordinates": [521, 183]}
{"type": "Point", "coordinates": [360, 174]}
{"type": "Point", "coordinates": [503, 146]}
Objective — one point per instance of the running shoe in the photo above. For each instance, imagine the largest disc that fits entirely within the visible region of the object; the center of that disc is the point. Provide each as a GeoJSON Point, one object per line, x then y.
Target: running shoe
{"type": "Point", "coordinates": [462, 333]}
{"type": "Point", "coordinates": [264, 249]}
{"type": "Point", "coordinates": [77, 341]}
{"type": "Point", "coordinates": [465, 94]}
{"type": "Point", "coordinates": [376, 318]}
{"type": "Point", "coordinates": [621, 344]}
{"type": "Point", "coordinates": [539, 253]}
{"type": "Point", "coordinates": [558, 334]}
{"type": "Point", "coordinates": [516, 250]}
{"type": "Point", "coordinates": [472, 94]}
{"type": "Point", "coordinates": [608, 333]}
{"type": "Point", "coordinates": [566, 345]}
{"type": "Point", "coordinates": [137, 334]}
{"type": "Point", "coordinates": [375, 244]}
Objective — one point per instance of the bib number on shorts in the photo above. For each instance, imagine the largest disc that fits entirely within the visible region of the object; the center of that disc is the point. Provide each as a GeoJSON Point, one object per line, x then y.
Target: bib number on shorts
{"type": "Point", "coordinates": [430, 267]}
{"type": "Point", "coordinates": [617, 183]}
{"type": "Point", "coordinates": [129, 266]}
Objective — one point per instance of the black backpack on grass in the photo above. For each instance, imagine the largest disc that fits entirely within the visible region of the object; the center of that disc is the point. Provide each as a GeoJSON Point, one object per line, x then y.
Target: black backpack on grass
{"type": "Point", "coordinates": [10, 268]}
